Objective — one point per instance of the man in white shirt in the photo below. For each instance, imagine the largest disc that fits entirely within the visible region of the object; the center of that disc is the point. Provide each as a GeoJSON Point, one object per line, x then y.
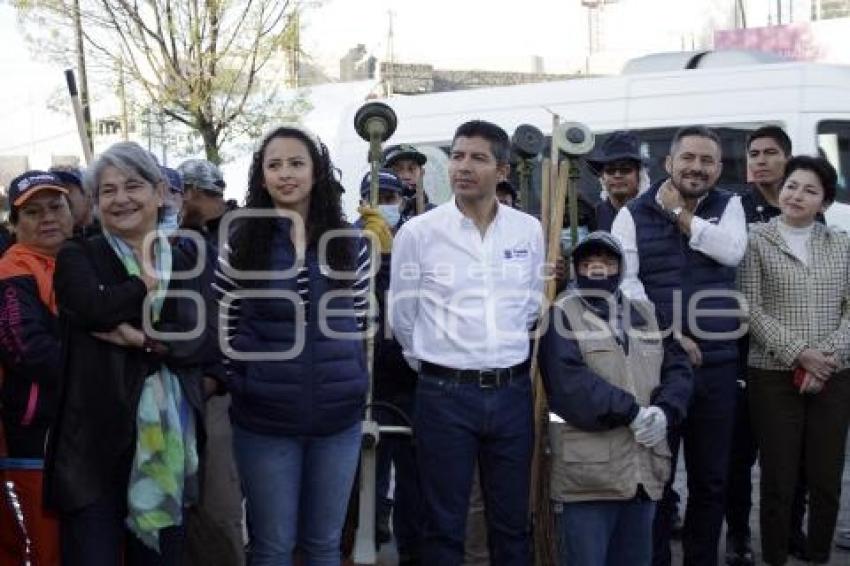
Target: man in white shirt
{"type": "Point", "coordinates": [466, 287]}
{"type": "Point", "coordinates": [682, 241]}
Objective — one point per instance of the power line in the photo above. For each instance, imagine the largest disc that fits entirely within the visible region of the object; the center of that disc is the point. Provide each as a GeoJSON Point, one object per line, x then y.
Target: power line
{"type": "Point", "coordinates": [33, 142]}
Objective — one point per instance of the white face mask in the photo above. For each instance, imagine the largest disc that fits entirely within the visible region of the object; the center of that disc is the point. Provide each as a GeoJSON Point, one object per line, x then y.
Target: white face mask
{"type": "Point", "coordinates": [170, 220]}
{"type": "Point", "coordinates": [391, 213]}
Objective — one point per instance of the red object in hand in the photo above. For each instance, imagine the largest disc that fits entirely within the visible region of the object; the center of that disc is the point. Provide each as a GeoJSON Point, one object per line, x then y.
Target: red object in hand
{"type": "Point", "coordinates": [799, 377]}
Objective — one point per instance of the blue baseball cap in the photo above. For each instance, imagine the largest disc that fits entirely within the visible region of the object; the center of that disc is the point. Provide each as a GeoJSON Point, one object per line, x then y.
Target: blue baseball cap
{"type": "Point", "coordinates": [68, 176]}
{"type": "Point", "coordinates": [403, 151]}
{"type": "Point", "coordinates": [25, 185]}
{"type": "Point", "coordinates": [173, 178]}
{"type": "Point", "coordinates": [387, 181]}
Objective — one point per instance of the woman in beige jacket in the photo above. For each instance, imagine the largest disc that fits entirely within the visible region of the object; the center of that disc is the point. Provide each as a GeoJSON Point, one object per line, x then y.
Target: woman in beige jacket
{"type": "Point", "coordinates": [796, 277]}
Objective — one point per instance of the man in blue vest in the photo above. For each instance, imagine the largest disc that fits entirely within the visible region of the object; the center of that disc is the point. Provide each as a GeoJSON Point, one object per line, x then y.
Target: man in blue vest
{"type": "Point", "coordinates": [682, 241]}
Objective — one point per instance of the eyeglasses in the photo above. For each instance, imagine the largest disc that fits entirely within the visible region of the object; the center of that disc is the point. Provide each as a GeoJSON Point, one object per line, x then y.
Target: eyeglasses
{"type": "Point", "coordinates": [618, 169]}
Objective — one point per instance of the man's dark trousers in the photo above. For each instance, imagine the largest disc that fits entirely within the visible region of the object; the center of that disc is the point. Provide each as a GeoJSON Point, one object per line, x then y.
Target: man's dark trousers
{"type": "Point", "coordinates": [706, 434]}
{"type": "Point", "coordinates": [397, 451]}
{"type": "Point", "coordinates": [455, 423]}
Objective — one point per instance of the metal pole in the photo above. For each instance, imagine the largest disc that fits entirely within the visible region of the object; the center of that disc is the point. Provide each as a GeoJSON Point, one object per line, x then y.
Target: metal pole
{"type": "Point", "coordinates": [572, 191]}
{"type": "Point", "coordinates": [79, 115]}
{"type": "Point", "coordinates": [81, 68]}
{"type": "Point", "coordinates": [524, 168]}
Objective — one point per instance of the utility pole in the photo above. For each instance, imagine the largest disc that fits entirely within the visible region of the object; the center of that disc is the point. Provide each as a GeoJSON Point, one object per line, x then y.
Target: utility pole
{"type": "Point", "coordinates": [81, 69]}
{"type": "Point", "coordinates": [740, 14]}
{"type": "Point", "coordinates": [122, 95]}
{"type": "Point", "coordinates": [594, 27]}
{"type": "Point", "coordinates": [390, 55]}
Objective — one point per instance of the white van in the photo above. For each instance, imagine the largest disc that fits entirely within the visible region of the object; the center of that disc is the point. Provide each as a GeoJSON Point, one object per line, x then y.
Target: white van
{"type": "Point", "coordinates": [810, 101]}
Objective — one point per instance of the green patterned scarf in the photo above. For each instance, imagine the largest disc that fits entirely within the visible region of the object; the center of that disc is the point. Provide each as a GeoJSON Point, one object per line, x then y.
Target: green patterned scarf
{"type": "Point", "coordinates": [164, 474]}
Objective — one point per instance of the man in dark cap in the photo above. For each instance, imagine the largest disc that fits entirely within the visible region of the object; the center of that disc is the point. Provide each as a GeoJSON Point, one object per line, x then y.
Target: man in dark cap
{"type": "Point", "coordinates": [408, 162]}
{"type": "Point", "coordinates": [390, 189]}
{"type": "Point", "coordinates": [82, 207]}
{"type": "Point", "coordinates": [620, 168]}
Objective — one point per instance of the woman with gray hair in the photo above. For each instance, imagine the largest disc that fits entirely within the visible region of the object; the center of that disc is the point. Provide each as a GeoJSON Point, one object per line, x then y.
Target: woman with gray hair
{"type": "Point", "coordinates": [122, 459]}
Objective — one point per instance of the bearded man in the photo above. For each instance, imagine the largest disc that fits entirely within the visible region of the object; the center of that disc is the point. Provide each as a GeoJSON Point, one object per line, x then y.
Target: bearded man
{"type": "Point", "coordinates": [682, 241]}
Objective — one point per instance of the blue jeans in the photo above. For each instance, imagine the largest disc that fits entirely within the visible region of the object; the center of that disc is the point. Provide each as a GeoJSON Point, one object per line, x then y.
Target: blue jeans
{"type": "Point", "coordinates": [455, 424]}
{"type": "Point", "coordinates": [297, 489]}
{"type": "Point", "coordinates": [605, 533]}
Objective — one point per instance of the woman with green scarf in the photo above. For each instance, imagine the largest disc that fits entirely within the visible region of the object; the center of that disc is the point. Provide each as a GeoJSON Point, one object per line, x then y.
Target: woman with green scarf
{"type": "Point", "coordinates": [122, 463]}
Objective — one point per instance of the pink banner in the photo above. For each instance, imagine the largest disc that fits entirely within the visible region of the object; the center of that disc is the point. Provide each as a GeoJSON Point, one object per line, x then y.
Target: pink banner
{"type": "Point", "coordinates": [794, 41]}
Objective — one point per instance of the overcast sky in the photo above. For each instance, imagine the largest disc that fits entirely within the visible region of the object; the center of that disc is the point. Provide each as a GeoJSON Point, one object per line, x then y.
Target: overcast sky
{"type": "Point", "coordinates": [496, 34]}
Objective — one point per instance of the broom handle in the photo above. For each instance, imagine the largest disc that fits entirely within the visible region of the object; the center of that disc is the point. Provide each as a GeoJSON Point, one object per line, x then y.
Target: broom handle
{"type": "Point", "coordinates": [78, 114]}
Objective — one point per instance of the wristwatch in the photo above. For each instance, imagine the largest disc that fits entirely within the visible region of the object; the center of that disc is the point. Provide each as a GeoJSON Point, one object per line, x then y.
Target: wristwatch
{"type": "Point", "coordinates": [676, 212]}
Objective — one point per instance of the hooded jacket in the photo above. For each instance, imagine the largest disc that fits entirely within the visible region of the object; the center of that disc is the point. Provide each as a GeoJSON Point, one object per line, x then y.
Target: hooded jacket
{"type": "Point", "coordinates": [596, 378]}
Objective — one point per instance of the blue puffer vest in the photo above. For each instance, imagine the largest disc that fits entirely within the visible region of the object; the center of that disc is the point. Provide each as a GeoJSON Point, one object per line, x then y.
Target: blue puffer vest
{"type": "Point", "coordinates": [669, 267]}
{"type": "Point", "coordinates": [321, 389]}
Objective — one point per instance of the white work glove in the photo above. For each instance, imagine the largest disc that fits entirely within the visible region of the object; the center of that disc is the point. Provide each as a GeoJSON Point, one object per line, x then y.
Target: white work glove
{"type": "Point", "coordinates": [652, 429]}
{"type": "Point", "coordinates": [640, 420]}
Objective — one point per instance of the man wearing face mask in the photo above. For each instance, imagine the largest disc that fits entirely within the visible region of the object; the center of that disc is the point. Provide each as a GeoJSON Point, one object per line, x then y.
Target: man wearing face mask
{"type": "Point", "coordinates": [614, 385]}
{"type": "Point", "coordinates": [682, 240]}
{"type": "Point", "coordinates": [394, 383]}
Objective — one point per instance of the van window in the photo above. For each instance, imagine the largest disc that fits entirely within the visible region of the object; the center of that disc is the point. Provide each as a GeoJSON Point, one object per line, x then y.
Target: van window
{"type": "Point", "coordinates": [834, 142]}
{"type": "Point", "coordinates": [655, 145]}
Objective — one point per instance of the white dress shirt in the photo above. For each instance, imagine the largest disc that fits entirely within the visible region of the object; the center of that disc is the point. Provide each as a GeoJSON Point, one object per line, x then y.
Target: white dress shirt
{"type": "Point", "coordinates": [463, 301]}
{"type": "Point", "coordinates": [723, 239]}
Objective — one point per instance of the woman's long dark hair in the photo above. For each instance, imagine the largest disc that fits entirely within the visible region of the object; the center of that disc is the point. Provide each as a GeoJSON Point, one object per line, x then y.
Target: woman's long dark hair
{"type": "Point", "coordinates": [252, 240]}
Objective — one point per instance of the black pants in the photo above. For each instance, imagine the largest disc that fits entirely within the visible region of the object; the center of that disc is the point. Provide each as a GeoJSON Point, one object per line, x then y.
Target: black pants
{"type": "Point", "coordinates": [706, 436]}
{"type": "Point", "coordinates": [96, 536]}
{"type": "Point", "coordinates": [739, 488]}
{"type": "Point", "coordinates": [784, 421]}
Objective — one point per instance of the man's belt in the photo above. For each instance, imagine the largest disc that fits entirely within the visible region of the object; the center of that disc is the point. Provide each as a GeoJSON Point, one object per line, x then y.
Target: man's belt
{"type": "Point", "coordinates": [490, 377]}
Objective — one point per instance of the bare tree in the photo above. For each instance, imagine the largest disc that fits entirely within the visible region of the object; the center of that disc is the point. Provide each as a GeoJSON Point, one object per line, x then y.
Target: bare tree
{"type": "Point", "coordinates": [201, 63]}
